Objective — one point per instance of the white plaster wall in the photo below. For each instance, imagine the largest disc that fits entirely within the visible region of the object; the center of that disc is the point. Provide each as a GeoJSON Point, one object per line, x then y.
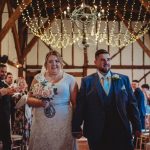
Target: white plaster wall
{"type": "Point", "coordinates": [67, 58]}
{"type": "Point", "coordinates": [126, 55]}
{"type": "Point", "coordinates": [42, 51]}
{"type": "Point", "coordinates": [32, 55]}
{"type": "Point", "coordinates": [138, 54]}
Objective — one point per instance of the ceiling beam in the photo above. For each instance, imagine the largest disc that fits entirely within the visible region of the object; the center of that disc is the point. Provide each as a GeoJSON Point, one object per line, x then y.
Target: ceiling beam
{"type": "Point", "coordinates": [38, 67]}
{"type": "Point", "coordinates": [146, 74]}
{"type": "Point", "coordinates": [30, 46]}
{"type": "Point", "coordinates": [120, 49]}
{"type": "Point", "coordinates": [2, 4]}
{"type": "Point", "coordinates": [15, 34]}
{"type": "Point", "coordinates": [11, 63]}
{"type": "Point", "coordinates": [13, 18]}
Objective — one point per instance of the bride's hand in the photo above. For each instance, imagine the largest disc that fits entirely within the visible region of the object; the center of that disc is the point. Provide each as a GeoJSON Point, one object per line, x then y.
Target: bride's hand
{"type": "Point", "coordinates": [45, 104]}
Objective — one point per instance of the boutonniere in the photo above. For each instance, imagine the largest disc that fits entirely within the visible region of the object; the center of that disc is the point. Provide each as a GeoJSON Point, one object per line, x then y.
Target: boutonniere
{"type": "Point", "coordinates": [115, 77]}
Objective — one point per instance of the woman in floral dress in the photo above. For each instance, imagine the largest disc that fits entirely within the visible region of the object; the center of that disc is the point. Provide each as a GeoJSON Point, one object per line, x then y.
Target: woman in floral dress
{"type": "Point", "coordinates": [23, 116]}
{"type": "Point", "coordinates": [53, 96]}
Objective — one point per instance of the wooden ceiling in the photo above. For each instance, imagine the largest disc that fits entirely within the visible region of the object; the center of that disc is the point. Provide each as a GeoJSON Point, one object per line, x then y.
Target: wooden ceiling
{"type": "Point", "coordinates": [104, 4]}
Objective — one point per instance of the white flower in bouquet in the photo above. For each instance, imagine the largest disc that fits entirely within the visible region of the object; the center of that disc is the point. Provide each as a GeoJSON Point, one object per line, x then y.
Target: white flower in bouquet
{"type": "Point", "coordinates": [43, 90]}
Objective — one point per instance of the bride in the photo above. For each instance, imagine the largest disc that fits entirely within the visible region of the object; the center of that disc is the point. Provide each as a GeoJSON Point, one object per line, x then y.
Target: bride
{"type": "Point", "coordinates": [53, 97]}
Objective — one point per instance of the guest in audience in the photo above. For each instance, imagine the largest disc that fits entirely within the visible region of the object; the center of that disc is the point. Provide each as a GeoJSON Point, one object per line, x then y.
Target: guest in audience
{"type": "Point", "coordinates": [140, 101]}
{"type": "Point", "coordinates": [53, 96]}
{"type": "Point", "coordinates": [22, 85]}
{"type": "Point", "coordinates": [146, 91]}
{"type": "Point", "coordinates": [5, 98]}
{"type": "Point", "coordinates": [23, 112]}
{"type": "Point", "coordinates": [9, 81]}
{"type": "Point", "coordinates": [106, 105]}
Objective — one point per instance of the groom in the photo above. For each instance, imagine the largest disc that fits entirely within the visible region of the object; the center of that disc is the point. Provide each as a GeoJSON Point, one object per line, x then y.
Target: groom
{"type": "Point", "coordinates": [107, 108]}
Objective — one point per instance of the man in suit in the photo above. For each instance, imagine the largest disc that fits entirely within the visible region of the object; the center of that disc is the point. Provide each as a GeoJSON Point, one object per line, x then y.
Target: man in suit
{"type": "Point", "coordinates": [140, 101]}
{"type": "Point", "coordinates": [9, 81]}
{"type": "Point", "coordinates": [106, 105]}
{"type": "Point", "coordinates": [5, 98]}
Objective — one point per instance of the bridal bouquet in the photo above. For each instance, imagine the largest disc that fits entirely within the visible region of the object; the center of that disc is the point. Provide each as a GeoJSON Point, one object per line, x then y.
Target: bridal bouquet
{"type": "Point", "coordinates": [45, 91]}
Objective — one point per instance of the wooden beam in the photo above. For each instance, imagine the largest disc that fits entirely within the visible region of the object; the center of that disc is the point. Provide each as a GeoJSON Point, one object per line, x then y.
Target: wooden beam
{"type": "Point", "coordinates": [2, 4]}
{"type": "Point", "coordinates": [15, 35]}
{"type": "Point", "coordinates": [120, 50]}
{"type": "Point", "coordinates": [38, 67]}
{"type": "Point", "coordinates": [11, 63]}
{"type": "Point", "coordinates": [76, 74]}
{"type": "Point", "coordinates": [22, 34]}
{"type": "Point", "coordinates": [30, 46]}
{"type": "Point", "coordinates": [12, 19]}
{"type": "Point", "coordinates": [146, 50]}
{"type": "Point", "coordinates": [125, 66]}
{"type": "Point", "coordinates": [144, 76]}
{"type": "Point", "coordinates": [130, 67]}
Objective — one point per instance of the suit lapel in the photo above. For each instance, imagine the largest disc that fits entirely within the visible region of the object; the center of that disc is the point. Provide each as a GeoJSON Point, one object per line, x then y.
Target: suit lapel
{"type": "Point", "coordinates": [117, 84]}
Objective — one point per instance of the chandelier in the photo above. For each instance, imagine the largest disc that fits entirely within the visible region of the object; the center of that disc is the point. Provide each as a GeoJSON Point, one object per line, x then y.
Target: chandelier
{"type": "Point", "coordinates": [60, 23]}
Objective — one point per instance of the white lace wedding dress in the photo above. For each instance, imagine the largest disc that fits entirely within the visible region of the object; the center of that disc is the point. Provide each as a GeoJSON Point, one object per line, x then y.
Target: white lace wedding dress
{"type": "Point", "coordinates": [54, 133]}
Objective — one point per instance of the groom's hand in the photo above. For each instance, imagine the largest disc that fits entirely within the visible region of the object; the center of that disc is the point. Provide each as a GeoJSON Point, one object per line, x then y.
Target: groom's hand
{"type": "Point", "coordinates": [77, 135]}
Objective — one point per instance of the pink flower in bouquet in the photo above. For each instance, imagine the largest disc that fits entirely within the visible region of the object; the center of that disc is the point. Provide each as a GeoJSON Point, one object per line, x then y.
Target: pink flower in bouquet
{"type": "Point", "coordinates": [43, 90]}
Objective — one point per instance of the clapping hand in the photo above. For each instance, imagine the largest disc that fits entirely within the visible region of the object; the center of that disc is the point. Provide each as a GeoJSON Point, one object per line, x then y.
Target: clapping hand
{"type": "Point", "coordinates": [7, 91]}
{"type": "Point", "coordinates": [11, 91]}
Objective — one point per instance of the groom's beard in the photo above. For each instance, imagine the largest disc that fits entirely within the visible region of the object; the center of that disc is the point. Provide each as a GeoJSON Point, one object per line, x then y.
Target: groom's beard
{"type": "Point", "coordinates": [104, 71]}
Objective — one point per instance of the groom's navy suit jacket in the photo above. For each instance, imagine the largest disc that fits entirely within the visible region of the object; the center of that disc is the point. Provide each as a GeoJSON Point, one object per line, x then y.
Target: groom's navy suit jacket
{"type": "Point", "coordinates": [90, 106]}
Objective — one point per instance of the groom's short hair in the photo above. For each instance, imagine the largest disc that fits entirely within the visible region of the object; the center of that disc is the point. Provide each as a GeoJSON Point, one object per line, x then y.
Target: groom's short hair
{"type": "Point", "coordinates": [100, 51]}
{"type": "Point", "coordinates": [136, 81]}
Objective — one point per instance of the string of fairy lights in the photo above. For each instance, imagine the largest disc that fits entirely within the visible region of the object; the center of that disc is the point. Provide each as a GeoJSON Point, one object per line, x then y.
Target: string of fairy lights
{"type": "Point", "coordinates": [85, 18]}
